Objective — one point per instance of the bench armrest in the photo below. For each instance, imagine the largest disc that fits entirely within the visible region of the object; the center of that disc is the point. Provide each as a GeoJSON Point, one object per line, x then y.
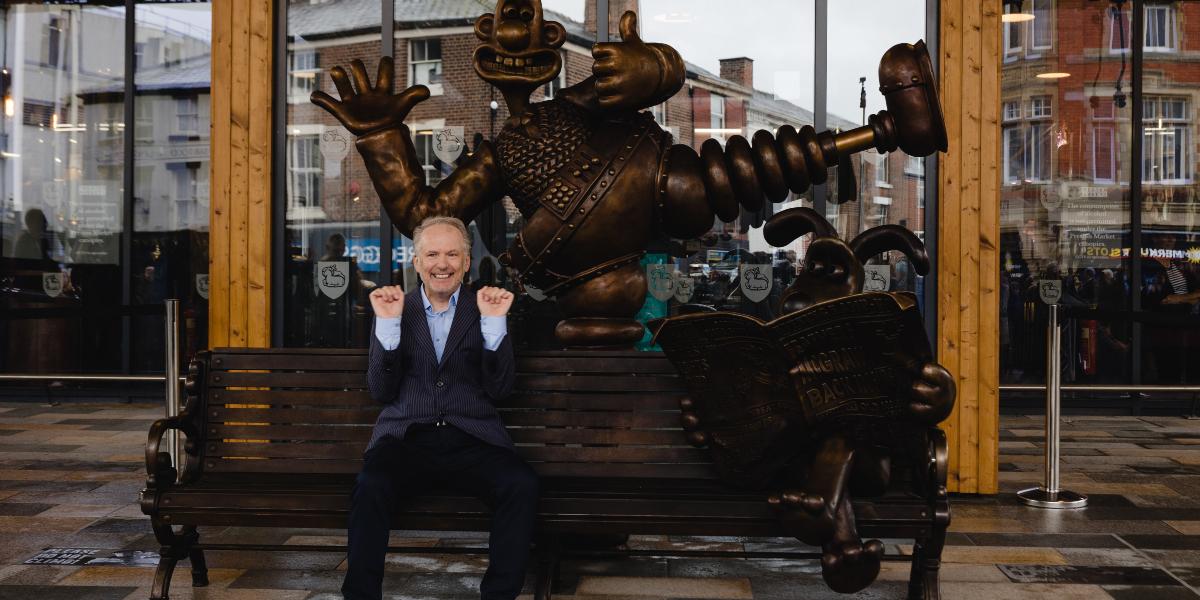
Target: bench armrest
{"type": "Point", "coordinates": [159, 470]}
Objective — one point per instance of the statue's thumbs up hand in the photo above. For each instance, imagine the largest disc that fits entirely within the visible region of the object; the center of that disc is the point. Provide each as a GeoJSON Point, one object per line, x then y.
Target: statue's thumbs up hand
{"type": "Point", "coordinates": [628, 73]}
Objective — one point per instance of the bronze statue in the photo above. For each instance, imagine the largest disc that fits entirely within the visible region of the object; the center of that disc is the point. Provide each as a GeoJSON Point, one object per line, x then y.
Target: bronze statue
{"type": "Point", "coordinates": [813, 404]}
{"type": "Point", "coordinates": [594, 178]}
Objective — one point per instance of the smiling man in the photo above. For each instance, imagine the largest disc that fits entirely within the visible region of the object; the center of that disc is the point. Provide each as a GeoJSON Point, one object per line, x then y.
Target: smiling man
{"type": "Point", "coordinates": [439, 361]}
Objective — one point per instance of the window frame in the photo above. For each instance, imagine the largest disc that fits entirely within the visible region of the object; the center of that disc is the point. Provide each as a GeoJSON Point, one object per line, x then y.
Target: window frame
{"type": "Point", "coordinates": [435, 88]}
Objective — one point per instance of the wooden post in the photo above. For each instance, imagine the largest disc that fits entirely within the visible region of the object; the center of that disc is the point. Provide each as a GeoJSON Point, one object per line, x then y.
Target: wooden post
{"type": "Point", "coordinates": [968, 235]}
{"type": "Point", "coordinates": [240, 225]}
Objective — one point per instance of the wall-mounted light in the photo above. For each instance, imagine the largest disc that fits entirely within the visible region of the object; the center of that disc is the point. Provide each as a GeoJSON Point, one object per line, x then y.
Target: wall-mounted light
{"type": "Point", "coordinates": [1015, 13]}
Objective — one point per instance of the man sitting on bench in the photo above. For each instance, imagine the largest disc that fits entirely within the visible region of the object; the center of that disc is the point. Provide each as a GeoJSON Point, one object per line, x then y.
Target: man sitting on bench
{"type": "Point", "coordinates": [439, 360]}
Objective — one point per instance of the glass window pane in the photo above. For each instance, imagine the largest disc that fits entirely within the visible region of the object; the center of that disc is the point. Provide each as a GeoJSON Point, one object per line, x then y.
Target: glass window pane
{"type": "Point", "coordinates": [889, 192]}
{"type": "Point", "coordinates": [61, 168]}
{"type": "Point", "coordinates": [1064, 212]}
{"type": "Point", "coordinates": [331, 210]}
{"type": "Point", "coordinates": [171, 166]}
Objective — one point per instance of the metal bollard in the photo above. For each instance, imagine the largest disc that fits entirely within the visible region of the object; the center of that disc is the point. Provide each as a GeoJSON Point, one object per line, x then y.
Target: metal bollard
{"type": "Point", "coordinates": [1048, 495]}
{"type": "Point", "coordinates": [172, 373]}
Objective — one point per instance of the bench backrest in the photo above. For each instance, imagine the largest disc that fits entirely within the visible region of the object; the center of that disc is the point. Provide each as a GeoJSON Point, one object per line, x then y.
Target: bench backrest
{"type": "Point", "coordinates": [572, 413]}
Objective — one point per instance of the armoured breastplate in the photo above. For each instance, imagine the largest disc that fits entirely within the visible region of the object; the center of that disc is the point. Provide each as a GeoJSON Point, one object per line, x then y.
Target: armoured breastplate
{"type": "Point", "coordinates": [530, 163]}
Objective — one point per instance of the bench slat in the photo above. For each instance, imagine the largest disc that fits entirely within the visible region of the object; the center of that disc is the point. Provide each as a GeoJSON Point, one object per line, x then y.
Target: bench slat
{"type": "Point", "coordinates": [564, 435]}
{"type": "Point", "coordinates": [583, 364]}
{"type": "Point", "coordinates": [326, 450]}
{"type": "Point", "coordinates": [287, 361]}
{"type": "Point", "coordinates": [358, 432]}
{"type": "Point", "coordinates": [586, 401]}
{"type": "Point", "coordinates": [312, 416]}
{"type": "Point", "coordinates": [326, 381]}
{"type": "Point", "coordinates": [614, 454]}
{"type": "Point", "coordinates": [603, 420]}
{"type": "Point", "coordinates": [295, 398]}
{"type": "Point", "coordinates": [600, 383]}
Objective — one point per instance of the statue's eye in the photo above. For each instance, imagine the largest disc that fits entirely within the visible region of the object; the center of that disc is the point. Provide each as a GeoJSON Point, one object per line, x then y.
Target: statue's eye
{"type": "Point", "coordinates": [510, 12]}
{"type": "Point", "coordinates": [527, 14]}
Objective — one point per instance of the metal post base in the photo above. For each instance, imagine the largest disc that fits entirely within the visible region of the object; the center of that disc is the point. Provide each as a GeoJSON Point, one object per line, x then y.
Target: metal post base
{"type": "Point", "coordinates": [1040, 497]}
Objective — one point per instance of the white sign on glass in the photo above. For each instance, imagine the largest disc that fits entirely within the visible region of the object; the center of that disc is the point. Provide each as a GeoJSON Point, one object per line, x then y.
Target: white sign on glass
{"type": "Point", "coordinates": [755, 281]}
{"type": "Point", "coordinates": [660, 282]}
{"type": "Point", "coordinates": [448, 143]}
{"type": "Point", "coordinates": [333, 277]}
{"type": "Point", "coordinates": [684, 286]}
{"type": "Point", "coordinates": [1049, 290]}
{"type": "Point", "coordinates": [52, 284]}
{"type": "Point", "coordinates": [202, 285]}
{"type": "Point", "coordinates": [877, 278]}
{"type": "Point", "coordinates": [335, 145]}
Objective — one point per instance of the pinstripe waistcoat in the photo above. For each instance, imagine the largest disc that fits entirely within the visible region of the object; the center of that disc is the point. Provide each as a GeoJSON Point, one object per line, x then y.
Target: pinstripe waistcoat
{"type": "Point", "coordinates": [461, 389]}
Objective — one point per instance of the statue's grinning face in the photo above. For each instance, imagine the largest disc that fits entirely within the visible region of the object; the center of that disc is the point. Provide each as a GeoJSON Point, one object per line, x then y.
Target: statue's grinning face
{"type": "Point", "coordinates": [519, 50]}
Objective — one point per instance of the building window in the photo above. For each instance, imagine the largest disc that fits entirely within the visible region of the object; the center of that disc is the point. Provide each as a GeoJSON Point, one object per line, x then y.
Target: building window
{"type": "Point", "coordinates": [554, 86]}
{"type": "Point", "coordinates": [52, 43]}
{"type": "Point", "coordinates": [1042, 26]}
{"type": "Point", "coordinates": [717, 114]}
{"type": "Point", "coordinates": [1012, 111]}
{"type": "Point", "coordinates": [1160, 28]}
{"type": "Point", "coordinates": [1012, 40]}
{"type": "Point", "coordinates": [143, 125]}
{"type": "Point", "coordinates": [304, 171]}
{"type": "Point", "coordinates": [425, 56]}
{"type": "Point", "coordinates": [187, 116]}
{"type": "Point", "coordinates": [1165, 146]}
{"type": "Point", "coordinates": [659, 112]}
{"type": "Point", "coordinates": [429, 161]}
{"type": "Point", "coordinates": [1039, 107]}
{"type": "Point", "coordinates": [302, 75]}
{"type": "Point", "coordinates": [1160, 33]}
{"type": "Point", "coordinates": [1104, 155]}
{"type": "Point", "coordinates": [883, 171]}
{"type": "Point", "coordinates": [187, 183]}
{"type": "Point", "coordinates": [1027, 153]}
{"type": "Point", "coordinates": [914, 165]}
{"type": "Point", "coordinates": [881, 205]}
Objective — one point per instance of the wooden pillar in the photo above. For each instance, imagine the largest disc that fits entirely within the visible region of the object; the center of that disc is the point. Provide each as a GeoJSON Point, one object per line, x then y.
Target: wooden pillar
{"type": "Point", "coordinates": [240, 184]}
{"type": "Point", "coordinates": [968, 238]}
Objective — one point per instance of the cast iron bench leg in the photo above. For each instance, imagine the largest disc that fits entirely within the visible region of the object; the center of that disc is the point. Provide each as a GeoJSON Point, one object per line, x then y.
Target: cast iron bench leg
{"type": "Point", "coordinates": [167, 559]}
{"type": "Point", "coordinates": [916, 577]}
{"type": "Point", "coordinates": [199, 567]}
{"type": "Point", "coordinates": [547, 570]}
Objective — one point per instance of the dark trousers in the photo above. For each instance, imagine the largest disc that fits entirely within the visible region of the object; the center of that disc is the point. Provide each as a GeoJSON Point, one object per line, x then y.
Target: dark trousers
{"type": "Point", "coordinates": [446, 457]}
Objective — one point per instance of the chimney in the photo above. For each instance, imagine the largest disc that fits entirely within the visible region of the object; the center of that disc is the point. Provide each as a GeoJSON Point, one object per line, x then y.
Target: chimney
{"type": "Point", "coordinates": [616, 8]}
{"type": "Point", "coordinates": [739, 70]}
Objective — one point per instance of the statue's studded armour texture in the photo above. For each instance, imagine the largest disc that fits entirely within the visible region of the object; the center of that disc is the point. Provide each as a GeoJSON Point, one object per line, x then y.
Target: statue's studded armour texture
{"type": "Point", "coordinates": [529, 163]}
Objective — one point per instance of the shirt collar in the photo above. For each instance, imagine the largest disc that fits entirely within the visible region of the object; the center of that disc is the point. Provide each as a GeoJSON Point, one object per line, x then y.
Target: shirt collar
{"type": "Point", "coordinates": [429, 305]}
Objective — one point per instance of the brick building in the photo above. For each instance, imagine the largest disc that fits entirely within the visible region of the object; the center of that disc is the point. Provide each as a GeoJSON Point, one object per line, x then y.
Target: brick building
{"type": "Point", "coordinates": [433, 46]}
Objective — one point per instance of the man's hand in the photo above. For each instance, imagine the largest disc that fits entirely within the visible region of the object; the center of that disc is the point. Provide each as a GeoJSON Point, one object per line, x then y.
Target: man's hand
{"type": "Point", "coordinates": [631, 74]}
{"type": "Point", "coordinates": [369, 108]}
{"type": "Point", "coordinates": [388, 301]}
{"type": "Point", "coordinates": [494, 301]}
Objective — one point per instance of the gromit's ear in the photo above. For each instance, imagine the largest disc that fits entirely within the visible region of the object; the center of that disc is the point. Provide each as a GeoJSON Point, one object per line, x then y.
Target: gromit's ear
{"type": "Point", "coordinates": [485, 26]}
{"type": "Point", "coordinates": [553, 34]}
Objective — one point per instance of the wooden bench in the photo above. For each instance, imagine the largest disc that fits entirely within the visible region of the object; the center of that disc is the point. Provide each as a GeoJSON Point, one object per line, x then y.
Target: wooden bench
{"type": "Point", "coordinates": [274, 438]}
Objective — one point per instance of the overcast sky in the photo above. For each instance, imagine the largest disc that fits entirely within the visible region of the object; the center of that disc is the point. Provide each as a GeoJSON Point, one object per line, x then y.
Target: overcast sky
{"type": "Point", "coordinates": [778, 35]}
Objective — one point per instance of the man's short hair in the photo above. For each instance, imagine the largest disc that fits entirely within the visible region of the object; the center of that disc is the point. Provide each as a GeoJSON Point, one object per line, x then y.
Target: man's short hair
{"type": "Point", "coordinates": [451, 221]}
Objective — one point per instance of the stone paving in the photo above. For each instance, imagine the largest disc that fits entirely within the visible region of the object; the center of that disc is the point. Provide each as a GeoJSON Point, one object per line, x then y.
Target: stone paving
{"type": "Point", "coordinates": [69, 477]}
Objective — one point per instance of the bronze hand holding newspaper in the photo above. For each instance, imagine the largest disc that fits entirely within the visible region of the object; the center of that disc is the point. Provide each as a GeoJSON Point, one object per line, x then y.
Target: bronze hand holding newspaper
{"type": "Point", "coordinates": [812, 405]}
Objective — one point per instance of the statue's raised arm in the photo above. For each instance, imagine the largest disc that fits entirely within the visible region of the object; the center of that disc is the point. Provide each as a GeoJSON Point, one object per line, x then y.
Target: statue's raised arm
{"type": "Point", "coordinates": [376, 115]}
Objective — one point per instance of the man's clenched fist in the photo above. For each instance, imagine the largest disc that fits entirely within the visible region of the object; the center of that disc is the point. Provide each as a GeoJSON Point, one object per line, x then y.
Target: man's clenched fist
{"type": "Point", "coordinates": [388, 301]}
{"type": "Point", "coordinates": [494, 301]}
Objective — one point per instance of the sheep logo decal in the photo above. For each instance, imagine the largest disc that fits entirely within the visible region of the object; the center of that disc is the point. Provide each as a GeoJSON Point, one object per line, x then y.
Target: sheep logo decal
{"type": "Point", "coordinates": [756, 284]}
{"type": "Point", "coordinates": [332, 278]}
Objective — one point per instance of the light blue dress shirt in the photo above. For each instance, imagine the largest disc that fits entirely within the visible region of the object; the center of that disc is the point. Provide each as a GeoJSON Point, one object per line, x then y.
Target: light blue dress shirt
{"type": "Point", "coordinates": [387, 331]}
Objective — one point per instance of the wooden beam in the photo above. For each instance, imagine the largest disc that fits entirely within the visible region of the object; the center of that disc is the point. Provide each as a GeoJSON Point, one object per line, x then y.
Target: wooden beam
{"type": "Point", "coordinates": [240, 241]}
{"type": "Point", "coordinates": [968, 303]}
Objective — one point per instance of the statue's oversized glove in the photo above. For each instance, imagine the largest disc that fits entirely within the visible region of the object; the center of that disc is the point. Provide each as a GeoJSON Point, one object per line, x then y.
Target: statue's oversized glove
{"type": "Point", "coordinates": [933, 394]}
{"type": "Point", "coordinates": [632, 74]}
{"type": "Point", "coordinates": [369, 108]}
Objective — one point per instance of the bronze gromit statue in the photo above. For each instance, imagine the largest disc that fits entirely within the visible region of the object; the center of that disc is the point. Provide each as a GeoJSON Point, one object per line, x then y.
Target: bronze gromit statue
{"type": "Point", "coordinates": [810, 446]}
{"type": "Point", "coordinates": [595, 179]}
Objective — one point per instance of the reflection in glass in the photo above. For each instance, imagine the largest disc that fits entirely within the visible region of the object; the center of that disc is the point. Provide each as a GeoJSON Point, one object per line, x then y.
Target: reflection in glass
{"type": "Point", "coordinates": [1064, 177]}
{"type": "Point", "coordinates": [61, 167]}
{"type": "Point", "coordinates": [169, 253]}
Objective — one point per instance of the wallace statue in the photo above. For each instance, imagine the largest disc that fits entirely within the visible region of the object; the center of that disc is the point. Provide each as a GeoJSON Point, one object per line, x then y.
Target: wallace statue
{"type": "Point", "coordinates": [595, 178]}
